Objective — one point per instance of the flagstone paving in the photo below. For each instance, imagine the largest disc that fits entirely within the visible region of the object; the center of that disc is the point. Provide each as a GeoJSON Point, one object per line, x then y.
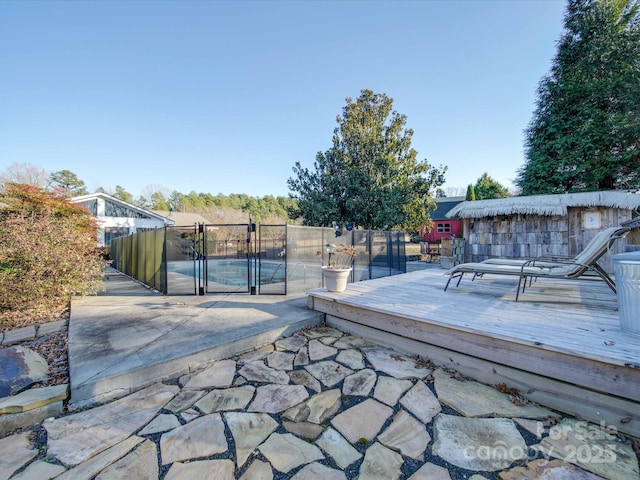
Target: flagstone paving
{"type": "Point", "coordinates": [317, 405]}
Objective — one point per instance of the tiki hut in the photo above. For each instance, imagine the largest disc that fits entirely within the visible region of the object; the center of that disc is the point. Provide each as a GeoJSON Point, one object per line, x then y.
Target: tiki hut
{"type": "Point", "coordinates": [545, 225]}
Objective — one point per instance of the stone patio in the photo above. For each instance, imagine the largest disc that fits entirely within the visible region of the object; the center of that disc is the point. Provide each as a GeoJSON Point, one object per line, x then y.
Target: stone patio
{"type": "Point", "coordinates": [317, 404]}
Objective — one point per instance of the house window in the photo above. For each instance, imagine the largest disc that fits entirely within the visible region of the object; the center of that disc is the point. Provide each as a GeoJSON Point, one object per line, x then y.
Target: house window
{"type": "Point", "coordinates": [91, 205]}
{"type": "Point", "coordinates": [114, 232]}
{"type": "Point", "coordinates": [115, 210]}
{"type": "Point", "coordinates": [444, 228]}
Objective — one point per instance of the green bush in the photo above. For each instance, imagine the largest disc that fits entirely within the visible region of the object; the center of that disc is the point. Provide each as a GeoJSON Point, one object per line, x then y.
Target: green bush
{"type": "Point", "coordinates": [49, 253]}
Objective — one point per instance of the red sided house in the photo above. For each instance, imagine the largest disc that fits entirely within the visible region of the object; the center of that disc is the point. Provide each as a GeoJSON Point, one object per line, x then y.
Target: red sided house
{"type": "Point", "coordinates": [443, 227]}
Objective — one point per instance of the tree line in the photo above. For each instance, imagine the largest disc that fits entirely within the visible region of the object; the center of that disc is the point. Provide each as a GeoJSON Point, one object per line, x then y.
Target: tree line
{"type": "Point", "coordinates": [154, 197]}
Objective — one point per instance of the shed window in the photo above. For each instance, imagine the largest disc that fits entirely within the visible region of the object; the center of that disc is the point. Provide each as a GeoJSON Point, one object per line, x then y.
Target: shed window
{"type": "Point", "coordinates": [444, 228]}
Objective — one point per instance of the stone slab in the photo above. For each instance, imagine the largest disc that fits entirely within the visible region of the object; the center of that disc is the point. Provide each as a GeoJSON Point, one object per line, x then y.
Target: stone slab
{"type": "Point", "coordinates": [19, 335]}
{"type": "Point", "coordinates": [21, 367]}
{"type": "Point", "coordinates": [34, 398]}
{"type": "Point", "coordinates": [39, 470]}
{"type": "Point", "coordinates": [277, 398]}
{"type": "Point", "coordinates": [590, 447]}
{"type": "Point", "coordinates": [218, 469]}
{"type": "Point", "coordinates": [162, 423]}
{"type": "Point", "coordinates": [286, 452]}
{"type": "Point", "coordinates": [226, 399]}
{"type": "Point", "coordinates": [363, 420]}
{"type": "Point", "coordinates": [421, 401]}
{"type": "Point", "coordinates": [51, 327]}
{"type": "Point", "coordinates": [74, 438]}
{"type": "Point", "coordinates": [94, 465]}
{"type": "Point", "coordinates": [473, 399]}
{"type": "Point", "coordinates": [482, 444]}
{"type": "Point", "coordinates": [406, 435]}
{"type": "Point", "coordinates": [141, 464]}
{"type": "Point", "coordinates": [173, 338]}
{"type": "Point", "coordinates": [218, 375]}
{"type": "Point", "coordinates": [202, 437]}
{"type": "Point", "coordinates": [315, 471]}
{"type": "Point", "coordinates": [341, 451]}
{"type": "Point", "coordinates": [547, 470]}
{"type": "Point", "coordinates": [15, 452]}
{"type": "Point", "coordinates": [14, 421]}
{"type": "Point", "coordinates": [381, 463]}
{"type": "Point", "coordinates": [258, 470]}
{"type": "Point", "coordinates": [249, 430]}
{"type": "Point", "coordinates": [394, 364]}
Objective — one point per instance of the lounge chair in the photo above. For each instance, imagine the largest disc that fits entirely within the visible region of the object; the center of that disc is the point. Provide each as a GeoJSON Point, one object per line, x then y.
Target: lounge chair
{"type": "Point", "coordinates": [540, 268]}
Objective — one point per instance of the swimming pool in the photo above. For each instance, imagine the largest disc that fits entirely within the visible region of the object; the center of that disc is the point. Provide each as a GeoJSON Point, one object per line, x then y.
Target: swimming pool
{"type": "Point", "coordinates": [231, 272]}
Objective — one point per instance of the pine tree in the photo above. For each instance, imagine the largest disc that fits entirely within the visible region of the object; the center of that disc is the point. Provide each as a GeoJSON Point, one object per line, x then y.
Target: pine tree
{"type": "Point", "coordinates": [585, 131]}
{"type": "Point", "coordinates": [471, 193]}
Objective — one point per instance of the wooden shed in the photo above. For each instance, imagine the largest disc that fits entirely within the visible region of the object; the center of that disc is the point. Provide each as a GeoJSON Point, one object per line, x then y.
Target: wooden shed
{"type": "Point", "coordinates": [544, 225]}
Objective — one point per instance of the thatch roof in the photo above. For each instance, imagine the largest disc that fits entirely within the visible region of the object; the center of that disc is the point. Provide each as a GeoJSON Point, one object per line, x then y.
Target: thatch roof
{"type": "Point", "coordinates": [546, 205]}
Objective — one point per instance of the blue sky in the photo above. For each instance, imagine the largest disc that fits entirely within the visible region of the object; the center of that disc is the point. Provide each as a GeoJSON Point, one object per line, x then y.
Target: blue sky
{"type": "Point", "coordinates": [224, 97]}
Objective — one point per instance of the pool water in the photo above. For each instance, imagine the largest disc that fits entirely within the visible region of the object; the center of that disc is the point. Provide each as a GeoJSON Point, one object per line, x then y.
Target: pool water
{"type": "Point", "coordinates": [231, 272]}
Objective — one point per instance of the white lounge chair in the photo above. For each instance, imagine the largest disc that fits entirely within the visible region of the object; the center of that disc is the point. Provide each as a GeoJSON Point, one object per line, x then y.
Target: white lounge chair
{"type": "Point", "coordinates": [536, 268]}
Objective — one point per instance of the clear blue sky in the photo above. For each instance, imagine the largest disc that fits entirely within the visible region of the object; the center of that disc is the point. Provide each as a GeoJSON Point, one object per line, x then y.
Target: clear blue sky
{"type": "Point", "coordinates": [224, 97]}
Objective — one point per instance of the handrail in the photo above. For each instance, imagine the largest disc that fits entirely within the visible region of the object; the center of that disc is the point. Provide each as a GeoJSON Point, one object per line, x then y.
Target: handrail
{"type": "Point", "coordinates": [274, 272]}
{"type": "Point", "coordinates": [304, 267]}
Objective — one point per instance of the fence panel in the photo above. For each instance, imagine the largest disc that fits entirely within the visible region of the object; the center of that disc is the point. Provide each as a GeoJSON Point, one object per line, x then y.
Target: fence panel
{"type": "Point", "coordinates": [170, 260]}
{"type": "Point", "coordinates": [181, 261]}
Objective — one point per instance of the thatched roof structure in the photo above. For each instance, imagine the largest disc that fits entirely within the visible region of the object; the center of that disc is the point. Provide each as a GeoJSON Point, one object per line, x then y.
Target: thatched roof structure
{"type": "Point", "coordinates": [545, 205]}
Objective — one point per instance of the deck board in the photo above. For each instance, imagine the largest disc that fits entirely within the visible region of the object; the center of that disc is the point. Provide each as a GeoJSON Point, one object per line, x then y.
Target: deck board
{"type": "Point", "coordinates": [577, 316]}
{"type": "Point", "coordinates": [567, 331]}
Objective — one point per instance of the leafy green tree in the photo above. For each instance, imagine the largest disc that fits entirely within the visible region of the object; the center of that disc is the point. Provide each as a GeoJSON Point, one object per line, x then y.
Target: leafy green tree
{"type": "Point", "coordinates": [122, 194]}
{"type": "Point", "coordinates": [67, 183]}
{"type": "Point", "coordinates": [142, 202]}
{"type": "Point", "coordinates": [585, 131]}
{"type": "Point", "coordinates": [471, 193]}
{"type": "Point", "coordinates": [159, 202]}
{"type": "Point", "coordinates": [487, 188]}
{"type": "Point", "coordinates": [370, 175]}
{"type": "Point", "coordinates": [176, 201]}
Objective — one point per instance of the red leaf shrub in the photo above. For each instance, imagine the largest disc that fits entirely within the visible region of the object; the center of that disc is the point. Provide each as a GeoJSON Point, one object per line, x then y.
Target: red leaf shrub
{"type": "Point", "coordinates": [48, 253]}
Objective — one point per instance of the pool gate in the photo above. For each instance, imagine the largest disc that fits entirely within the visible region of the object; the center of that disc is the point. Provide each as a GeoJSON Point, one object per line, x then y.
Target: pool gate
{"type": "Point", "coordinates": [250, 258]}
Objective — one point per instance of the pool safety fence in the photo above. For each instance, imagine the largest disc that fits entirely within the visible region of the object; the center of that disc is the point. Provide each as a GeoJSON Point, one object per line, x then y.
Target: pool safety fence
{"type": "Point", "coordinates": [250, 258]}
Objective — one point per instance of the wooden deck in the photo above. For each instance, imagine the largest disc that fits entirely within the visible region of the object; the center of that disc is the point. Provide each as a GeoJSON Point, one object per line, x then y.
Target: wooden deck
{"type": "Point", "coordinates": [560, 345]}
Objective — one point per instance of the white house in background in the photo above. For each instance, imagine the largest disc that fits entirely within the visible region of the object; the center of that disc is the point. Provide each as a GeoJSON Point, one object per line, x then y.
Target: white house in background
{"type": "Point", "coordinates": [117, 218]}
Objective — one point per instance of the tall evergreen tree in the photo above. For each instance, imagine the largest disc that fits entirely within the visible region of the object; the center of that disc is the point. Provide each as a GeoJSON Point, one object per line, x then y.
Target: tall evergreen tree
{"type": "Point", "coordinates": [68, 183]}
{"type": "Point", "coordinates": [487, 188]}
{"type": "Point", "coordinates": [122, 194]}
{"type": "Point", "coordinates": [471, 193]}
{"type": "Point", "coordinates": [370, 176]}
{"type": "Point", "coordinates": [585, 131]}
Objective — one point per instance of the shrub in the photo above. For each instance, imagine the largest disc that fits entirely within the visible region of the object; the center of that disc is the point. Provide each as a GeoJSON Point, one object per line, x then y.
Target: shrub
{"type": "Point", "coordinates": [49, 253]}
